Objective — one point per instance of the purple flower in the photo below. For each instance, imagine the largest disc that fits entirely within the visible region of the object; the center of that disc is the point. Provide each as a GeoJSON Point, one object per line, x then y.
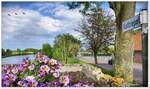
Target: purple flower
{"type": "Point", "coordinates": [45, 59]}
{"type": "Point", "coordinates": [33, 83]}
{"type": "Point", "coordinates": [45, 68]}
{"type": "Point", "coordinates": [5, 76]}
{"type": "Point", "coordinates": [31, 67]}
{"type": "Point", "coordinates": [29, 81]}
{"type": "Point", "coordinates": [41, 73]}
{"type": "Point", "coordinates": [41, 84]}
{"type": "Point", "coordinates": [55, 84]}
{"type": "Point", "coordinates": [48, 84]}
{"type": "Point", "coordinates": [26, 62]}
{"type": "Point", "coordinates": [65, 80]}
{"type": "Point", "coordinates": [5, 67]}
{"type": "Point", "coordinates": [52, 84]}
{"type": "Point", "coordinates": [6, 83]}
{"type": "Point", "coordinates": [21, 68]}
{"type": "Point", "coordinates": [39, 53]}
{"type": "Point", "coordinates": [8, 79]}
{"type": "Point", "coordinates": [12, 77]}
{"type": "Point", "coordinates": [22, 83]}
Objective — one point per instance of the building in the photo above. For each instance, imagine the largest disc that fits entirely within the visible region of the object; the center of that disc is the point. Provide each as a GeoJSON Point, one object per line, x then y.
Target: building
{"type": "Point", "coordinates": [138, 48]}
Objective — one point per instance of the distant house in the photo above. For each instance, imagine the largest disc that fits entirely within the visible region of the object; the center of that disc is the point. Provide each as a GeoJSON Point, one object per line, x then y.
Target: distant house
{"type": "Point", "coordinates": [138, 48]}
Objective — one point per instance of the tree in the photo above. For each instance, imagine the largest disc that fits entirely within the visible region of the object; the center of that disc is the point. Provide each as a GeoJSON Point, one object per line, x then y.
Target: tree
{"type": "Point", "coordinates": [33, 50]}
{"type": "Point", "coordinates": [19, 51]}
{"type": "Point", "coordinates": [97, 28]}
{"type": "Point", "coordinates": [8, 52]}
{"type": "Point", "coordinates": [124, 41]}
{"type": "Point", "coordinates": [124, 44]}
{"type": "Point", "coordinates": [67, 44]}
{"type": "Point", "coordinates": [3, 52]}
{"type": "Point", "coordinates": [47, 49]}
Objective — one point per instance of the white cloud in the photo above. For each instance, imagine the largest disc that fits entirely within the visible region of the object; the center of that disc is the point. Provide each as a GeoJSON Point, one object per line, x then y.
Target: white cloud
{"type": "Point", "coordinates": [50, 24]}
{"type": "Point", "coordinates": [23, 26]}
{"type": "Point", "coordinates": [68, 14]}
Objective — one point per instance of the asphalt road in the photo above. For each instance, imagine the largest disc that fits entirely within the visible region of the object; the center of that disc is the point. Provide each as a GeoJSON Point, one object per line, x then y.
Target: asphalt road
{"type": "Point", "coordinates": [103, 62]}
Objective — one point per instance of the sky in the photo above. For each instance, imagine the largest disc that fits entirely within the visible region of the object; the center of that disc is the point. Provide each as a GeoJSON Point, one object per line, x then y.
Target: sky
{"type": "Point", "coordinates": [30, 24]}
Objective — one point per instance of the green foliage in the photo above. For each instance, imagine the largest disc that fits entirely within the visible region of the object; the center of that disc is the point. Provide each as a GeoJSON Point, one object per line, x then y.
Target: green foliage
{"type": "Point", "coordinates": [6, 52]}
{"type": "Point", "coordinates": [108, 50]}
{"type": "Point", "coordinates": [47, 49]}
{"type": "Point", "coordinates": [106, 71]}
{"type": "Point", "coordinates": [65, 46]}
{"type": "Point", "coordinates": [57, 54]}
{"type": "Point", "coordinates": [3, 52]}
{"type": "Point", "coordinates": [86, 6]}
{"type": "Point", "coordinates": [31, 50]}
{"type": "Point", "coordinates": [9, 52]}
{"type": "Point", "coordinates": [74, 60]}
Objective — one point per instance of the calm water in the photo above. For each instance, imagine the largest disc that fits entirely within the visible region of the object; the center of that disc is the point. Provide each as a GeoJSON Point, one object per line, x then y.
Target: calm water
{"type": "Point", "coordinates": [16, 59]}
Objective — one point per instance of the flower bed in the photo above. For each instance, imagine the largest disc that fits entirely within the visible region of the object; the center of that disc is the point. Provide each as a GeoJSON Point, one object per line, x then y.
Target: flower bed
{"type": "Point", "coordinates": [46, 72]}
{"type": "Point", "coordinates": [43, 72]}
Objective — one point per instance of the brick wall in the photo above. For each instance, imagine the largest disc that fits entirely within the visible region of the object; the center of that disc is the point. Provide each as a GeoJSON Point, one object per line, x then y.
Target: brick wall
{"type": "Point", "coordinates": [138, 56]}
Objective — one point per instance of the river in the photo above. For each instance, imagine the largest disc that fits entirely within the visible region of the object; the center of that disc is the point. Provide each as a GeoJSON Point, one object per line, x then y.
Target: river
{"type": "Point", "coordinates": [16, 59]}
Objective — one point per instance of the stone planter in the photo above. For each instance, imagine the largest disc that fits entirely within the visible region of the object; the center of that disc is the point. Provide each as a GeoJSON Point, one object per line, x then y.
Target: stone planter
{"type": "Point", "coordinates": [95, 74]}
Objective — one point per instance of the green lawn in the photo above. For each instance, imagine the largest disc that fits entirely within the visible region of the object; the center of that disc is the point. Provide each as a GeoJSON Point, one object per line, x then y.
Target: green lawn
{"type": "Point", "coordinates": [73, 60]}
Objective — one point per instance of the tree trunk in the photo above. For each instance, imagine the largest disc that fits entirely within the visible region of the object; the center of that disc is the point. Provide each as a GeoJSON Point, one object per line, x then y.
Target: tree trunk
{"type": "Point", "coordinates": [124, 44]}
{"type": "Point", "coordinates": [124, 51]}
{"type": "Point", "coordinates": [95, 58]}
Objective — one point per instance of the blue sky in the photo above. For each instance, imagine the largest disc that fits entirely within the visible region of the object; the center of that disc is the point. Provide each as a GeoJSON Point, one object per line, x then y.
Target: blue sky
{"type": "Point", "coordinates": [30, 24]}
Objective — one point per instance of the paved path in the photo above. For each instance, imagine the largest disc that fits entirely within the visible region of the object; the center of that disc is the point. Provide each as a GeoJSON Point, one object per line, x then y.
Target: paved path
{"type": "Point", "coordinates": [103, 62]}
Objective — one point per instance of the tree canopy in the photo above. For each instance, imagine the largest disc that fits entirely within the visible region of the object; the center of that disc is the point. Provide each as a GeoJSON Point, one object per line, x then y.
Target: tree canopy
{"type": "Point", "coordinates": [98, 28]}
{"type": "Point", "coordinates": [67, 45]}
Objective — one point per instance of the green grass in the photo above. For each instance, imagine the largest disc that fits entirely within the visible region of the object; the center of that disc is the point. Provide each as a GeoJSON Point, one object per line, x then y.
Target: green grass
{"type": "Point", "coordinates": [105, 71]}
{"type": "Point", "coordinates": [74, 60]}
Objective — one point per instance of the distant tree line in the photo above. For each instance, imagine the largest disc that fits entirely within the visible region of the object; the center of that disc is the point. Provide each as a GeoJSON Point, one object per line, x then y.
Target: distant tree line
{"type": "Point", "coordinates": [9, 52]}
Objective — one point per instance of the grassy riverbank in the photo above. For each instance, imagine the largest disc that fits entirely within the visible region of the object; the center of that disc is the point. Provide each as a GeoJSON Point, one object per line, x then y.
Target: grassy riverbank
{"type": "Point", "coordinates": [17, 53]}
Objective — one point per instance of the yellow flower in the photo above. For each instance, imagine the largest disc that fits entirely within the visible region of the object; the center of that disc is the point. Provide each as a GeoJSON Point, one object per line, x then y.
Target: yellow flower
{"type": "Point", "coordinates": [117, 81]}
{"type": "Point", "coordinates": [105, 77]}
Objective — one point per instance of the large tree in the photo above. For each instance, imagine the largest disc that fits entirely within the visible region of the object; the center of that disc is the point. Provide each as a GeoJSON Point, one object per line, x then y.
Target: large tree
{"type": "Point", "coordinates": [124, 41]}
{"type": "Point", "coordinates": [97, 28]}
{"type": "Point", "coordinates": [124, 44]}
